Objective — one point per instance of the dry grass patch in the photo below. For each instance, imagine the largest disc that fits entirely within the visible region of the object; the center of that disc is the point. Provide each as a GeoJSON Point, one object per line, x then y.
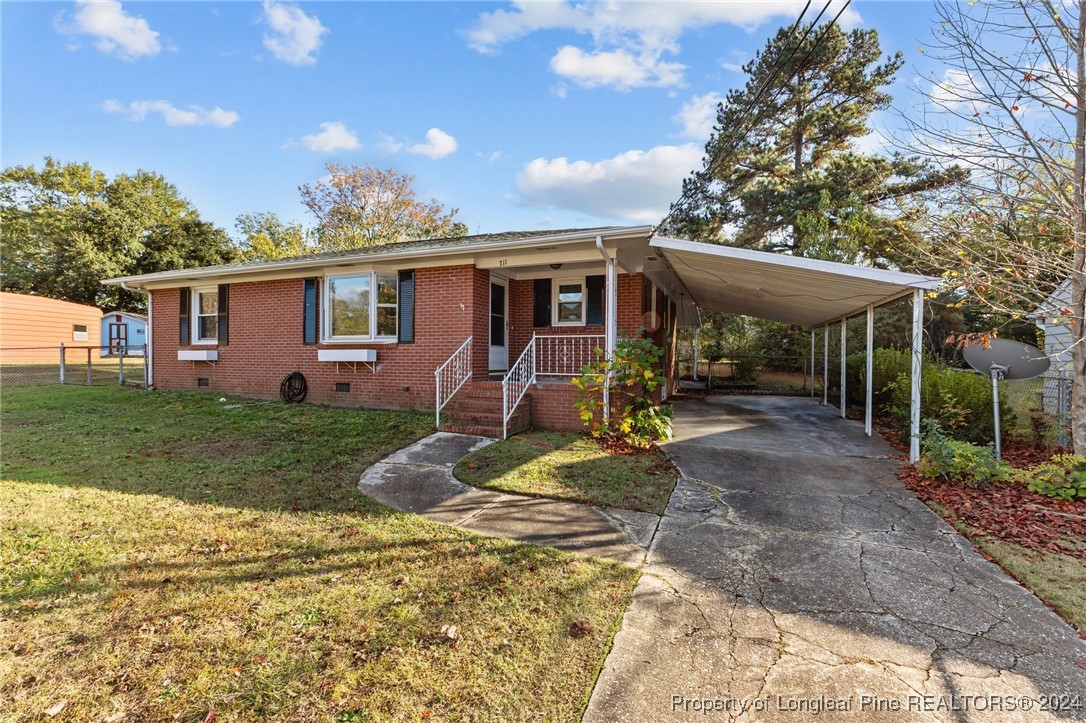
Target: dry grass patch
{"type": "Point", "coordinates": [264, 586]}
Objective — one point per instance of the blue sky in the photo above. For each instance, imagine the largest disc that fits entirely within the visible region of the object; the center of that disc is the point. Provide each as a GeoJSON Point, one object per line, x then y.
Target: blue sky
{"type": "Point", "coordinates": [523, 116]}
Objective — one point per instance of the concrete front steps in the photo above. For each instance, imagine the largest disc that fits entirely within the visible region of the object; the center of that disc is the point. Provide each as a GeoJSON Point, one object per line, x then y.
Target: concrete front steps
{"type": "Point", "coordinates": [477, 409]}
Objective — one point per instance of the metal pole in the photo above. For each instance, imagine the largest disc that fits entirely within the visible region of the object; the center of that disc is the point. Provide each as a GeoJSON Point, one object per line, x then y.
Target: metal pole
{"type": "Point", "coordinates": [869, 392]}
{"type": "Point", "coordinates": [697, 332]}
{"type": "Point", "coordinates": [914, 401]}
{"type": "Point", "coordinates": [844, 329]}
{"type": "Point", "coordinates": [88, 366]}
{"type": "Point", "coordinates": [812, 362]}
{"type": "Point", "coordinates": [120, 365]}
{"type": "Point", "coordinates": [995, 411]}
{"type": "Point", "coordinates": [147, 365]}
{"type": "Point", "coordinates": [826, 365]}
{"type": "Point", "coordinates": [61, 363]}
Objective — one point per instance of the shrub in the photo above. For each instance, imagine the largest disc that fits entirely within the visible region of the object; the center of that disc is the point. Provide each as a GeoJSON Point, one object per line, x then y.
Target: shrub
{"type": "Point", "coordinates": [1064, 478]}
{"type": "Point", "coordinates": [960, 401]}
{"type": "Point", "coordinates": [946, 458]}
{"type": "Point", "coordinates": [635, 375]}
{"type": "Point", "coordinates": [889, 364]}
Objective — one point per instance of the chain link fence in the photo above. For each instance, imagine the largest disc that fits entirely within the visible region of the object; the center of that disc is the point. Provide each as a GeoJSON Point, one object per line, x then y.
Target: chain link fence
{"type": "Point", "coordinates": [752, 373]}
{"type": "Point", "coordinates": [80, 365]}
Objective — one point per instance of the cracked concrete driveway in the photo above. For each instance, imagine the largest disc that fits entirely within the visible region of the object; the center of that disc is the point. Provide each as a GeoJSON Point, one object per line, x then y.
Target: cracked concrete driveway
{"type": "Point", "coordinates": [792, 576]}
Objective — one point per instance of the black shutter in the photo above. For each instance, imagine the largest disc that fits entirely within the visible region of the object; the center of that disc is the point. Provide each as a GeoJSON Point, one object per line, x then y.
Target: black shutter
{"type": "Point", "coordinates": [309, 311]}
{"type": "Point", "coordinates": [406, 300]}
{"type": "Point", "coordinates": [224, 313]}
{"type": "Point", "coordinates": [594, 293]}
{"type": "Point", "coordinates": [185, 328]}
{"type": "Point", "coordinates": [541, 313]}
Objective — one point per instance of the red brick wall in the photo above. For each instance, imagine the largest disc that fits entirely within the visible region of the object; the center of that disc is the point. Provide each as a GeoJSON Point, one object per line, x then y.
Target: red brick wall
{"type": "Point", "coordinates": [552, 406]}
{"type": "Point", "coordinates": [266, 344]}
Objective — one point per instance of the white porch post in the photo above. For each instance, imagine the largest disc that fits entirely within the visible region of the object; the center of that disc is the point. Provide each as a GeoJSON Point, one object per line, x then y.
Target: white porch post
{"type": "Point", "coordinates": [826, 365]}
{"type": "Point", "coordinates": [697, 333]}
{"type": "Point", "coordinates": [918, 350]}
{"type": "Point", "coordinates": [869, 391]}
{"type": "Point", "coordinates": [611, 321]}
{"type": "Point", "coordinates": [812, 362]}
{"type": "Point", "coordinates": [844, 353]}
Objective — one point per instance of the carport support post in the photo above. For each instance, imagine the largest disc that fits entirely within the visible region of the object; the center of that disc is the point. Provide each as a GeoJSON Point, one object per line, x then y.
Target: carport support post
{"type": "Point", "coordinates": [918, 349]}
{"type": "Point", "coordinates": [826, 365]}
{"type": "Point", "coordinates": [869, 391]}
{"type": "Point", "coordinates": [812, 362]}
{"type": "Point", "coordinates": [61, 363]}
{"type": "Point", "coordinates": [120, 365]}
{"type": "Point", "coordinates": [844, 329]}
{"type": "Point", "coordinates": [88, 366]}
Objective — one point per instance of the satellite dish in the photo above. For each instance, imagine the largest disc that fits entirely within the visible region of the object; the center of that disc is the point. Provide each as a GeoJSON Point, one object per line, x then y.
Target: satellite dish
{"type": "Point", "coordinates": [1009, 360]}
{"type": "Point", "coordinates": [1013, 358]}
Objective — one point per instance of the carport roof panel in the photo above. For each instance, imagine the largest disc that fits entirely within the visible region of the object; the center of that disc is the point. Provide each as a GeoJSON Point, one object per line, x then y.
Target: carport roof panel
{"type": "Point", "coordinates": [806, 292]}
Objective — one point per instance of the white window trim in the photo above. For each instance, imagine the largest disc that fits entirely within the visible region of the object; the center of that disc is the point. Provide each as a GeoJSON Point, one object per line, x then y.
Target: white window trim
{"type": "Point", "coordinates": [556, 283]}
{"type": "Point", "coordinates": [196, 291]}
{"type": "Point", "coordinates": [371, 338]}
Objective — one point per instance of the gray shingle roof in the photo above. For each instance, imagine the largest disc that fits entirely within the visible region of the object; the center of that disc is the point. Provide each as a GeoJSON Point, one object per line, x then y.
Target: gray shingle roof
{"type": "Point", "coordinates": [436, 244]}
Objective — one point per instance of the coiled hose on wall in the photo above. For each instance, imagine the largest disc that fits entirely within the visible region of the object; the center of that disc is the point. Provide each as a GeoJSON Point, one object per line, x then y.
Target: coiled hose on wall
{"type": "Point", "coordinates": [293, 388]}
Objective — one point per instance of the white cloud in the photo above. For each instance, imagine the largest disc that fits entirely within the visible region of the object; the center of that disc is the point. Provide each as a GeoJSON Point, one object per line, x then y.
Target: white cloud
{"type": "Point", "coordinates": [635, 186]}
{"type": "Point", "coordinates": [491, 157]}
{"type": "Point", "coordinates": [698, 115]}
{"type": "Point", "coordinates": [333, 137]}
{"type": "Point", "coordinates": [955, 89]}
{"type": "Point", "coordinates": [293, 36]}
{"type": "Point", "coordinates": [620, 68]}
{"type": "Point", "coordinates": [438, 145]}
{"type": "Point", "coordinates": [114, 31]}
{"type": "Point", "coordinates": [192, 115]}
{"type": "Point", "coordinates": [630, 38]}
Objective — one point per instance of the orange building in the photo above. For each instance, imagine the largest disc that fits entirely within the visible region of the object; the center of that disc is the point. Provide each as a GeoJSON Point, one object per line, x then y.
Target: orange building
{"type": "Point", "coordinates": [35, 321]}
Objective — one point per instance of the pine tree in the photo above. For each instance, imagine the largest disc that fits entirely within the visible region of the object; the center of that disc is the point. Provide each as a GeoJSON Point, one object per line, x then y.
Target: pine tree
{"type": "Point", "coordinates": [782, 170]}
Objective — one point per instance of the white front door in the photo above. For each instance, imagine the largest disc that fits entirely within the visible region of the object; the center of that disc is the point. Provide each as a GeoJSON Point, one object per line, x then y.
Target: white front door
{"type": "Point", "coordinates": [499, 336]}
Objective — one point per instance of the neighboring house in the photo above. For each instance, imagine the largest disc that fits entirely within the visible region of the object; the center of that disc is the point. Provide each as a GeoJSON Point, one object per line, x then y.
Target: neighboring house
{"type": "Point", "coordinates": [123, 330]}
{"type": "Point", "coordinates": [36, 321]}
{"type": "Point", "coordinates": [1050, 318]}
{"type": "Point", "coordinates": [371, 327]}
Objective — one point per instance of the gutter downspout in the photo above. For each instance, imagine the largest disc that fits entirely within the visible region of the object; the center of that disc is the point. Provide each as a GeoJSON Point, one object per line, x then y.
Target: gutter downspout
{"type": "Point", "coordinates": [611, 325]}
{"type": "Point", "coordinates": [148, 362]}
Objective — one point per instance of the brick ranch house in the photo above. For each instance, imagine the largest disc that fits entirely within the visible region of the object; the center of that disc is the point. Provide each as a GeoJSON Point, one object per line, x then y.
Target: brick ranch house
{"type": "Point", "coordinates": [487, 330]}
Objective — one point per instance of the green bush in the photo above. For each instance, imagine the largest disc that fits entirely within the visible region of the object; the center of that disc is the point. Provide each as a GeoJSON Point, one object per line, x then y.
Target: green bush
{"type": "Point", "coordinates": [946, 458]}
{"type": "Point", "coordinates": [960, 401]}
{"type": "Point", "coordinates": [1064, 478]}
{"type": "Point", "coordinates": [889, 364]}
{"type": "Point", "coordinates": [634, 415]}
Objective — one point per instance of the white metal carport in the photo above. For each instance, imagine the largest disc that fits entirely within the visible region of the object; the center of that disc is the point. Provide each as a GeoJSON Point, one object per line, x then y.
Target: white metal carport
{"type": "Point", "coordinates": [794, 290]}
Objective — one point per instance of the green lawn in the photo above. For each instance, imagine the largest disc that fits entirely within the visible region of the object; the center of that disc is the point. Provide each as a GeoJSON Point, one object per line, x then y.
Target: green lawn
{"type": "Point", "coordinates": [163, 556]}
{"type": "Point", "coordinates": [572, 466]}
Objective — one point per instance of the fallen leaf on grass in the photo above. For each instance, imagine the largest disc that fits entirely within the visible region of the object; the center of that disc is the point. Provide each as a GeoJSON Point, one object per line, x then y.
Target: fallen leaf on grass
{"type": "Point", "coordinates": [211, 715]}
{"type": "Point", "coordinates": [449, 631]}
{"type": "Point", "coordinates": [54, 710]}
{"type": "Point", "coordinates": [399, 582]}
{"type": "Point", "coordinates": [580, 628]}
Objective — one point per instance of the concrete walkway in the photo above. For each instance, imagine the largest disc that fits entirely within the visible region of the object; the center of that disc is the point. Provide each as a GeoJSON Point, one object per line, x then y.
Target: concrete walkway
{"type": "Point", "coordinates": [792, 574]}
{"type": "Point", "coordinates": [419, 479]}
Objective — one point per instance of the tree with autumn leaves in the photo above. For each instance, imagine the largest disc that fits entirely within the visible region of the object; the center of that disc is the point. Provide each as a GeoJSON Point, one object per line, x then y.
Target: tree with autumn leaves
{"type": "Point", "coordinates": [1010, 108]}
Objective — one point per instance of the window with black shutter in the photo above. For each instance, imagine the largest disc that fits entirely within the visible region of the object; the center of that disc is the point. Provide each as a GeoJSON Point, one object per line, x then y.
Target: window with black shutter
{"type": "Point", "coordinates": [224, 314]}
{"type": "Point", "coordinates": [594, 286]}
{"type": "Point", "coordinates": [309, 311]}
{"type": "Point", "coordinates": [541, 310]}
{"type": "Point", "coordinates": [184, 328]}
{"type": "Point", "coordinates": [407, 307]}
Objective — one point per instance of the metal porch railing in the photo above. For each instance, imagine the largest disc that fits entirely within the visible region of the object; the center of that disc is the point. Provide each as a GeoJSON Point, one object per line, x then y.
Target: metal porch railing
{"type": "Point", "coordinates": [450, 376]}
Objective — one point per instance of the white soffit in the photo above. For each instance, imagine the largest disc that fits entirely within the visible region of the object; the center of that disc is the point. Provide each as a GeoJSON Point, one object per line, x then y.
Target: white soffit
{"type": "Point", "coordinates": [805, 292]}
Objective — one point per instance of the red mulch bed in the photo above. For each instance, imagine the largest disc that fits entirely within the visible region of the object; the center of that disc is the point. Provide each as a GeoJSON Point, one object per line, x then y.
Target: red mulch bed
{"type": "Point", "coordinates": [1009, 512]}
